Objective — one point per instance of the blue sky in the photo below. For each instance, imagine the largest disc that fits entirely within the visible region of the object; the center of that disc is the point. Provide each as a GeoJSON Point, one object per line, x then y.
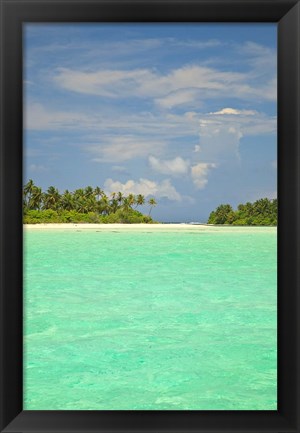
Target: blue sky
{"type": "Point", "coordinates": [182, 112]}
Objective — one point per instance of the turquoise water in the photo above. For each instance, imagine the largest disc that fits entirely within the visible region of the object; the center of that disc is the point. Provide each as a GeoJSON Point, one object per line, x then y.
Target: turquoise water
{"type": "Point", "coordinates": [143, 320]}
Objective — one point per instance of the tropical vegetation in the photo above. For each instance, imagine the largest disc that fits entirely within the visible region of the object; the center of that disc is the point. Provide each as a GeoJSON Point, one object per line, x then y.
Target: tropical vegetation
{"type": "Point", "coordinates": [262, 212]}
{"type": "Point", "coordinates": [84, 205]}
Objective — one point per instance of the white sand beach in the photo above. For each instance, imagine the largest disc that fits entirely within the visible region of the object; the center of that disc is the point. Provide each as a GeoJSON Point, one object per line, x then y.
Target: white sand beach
{"type": "Point", "coordinates": [145, 227]}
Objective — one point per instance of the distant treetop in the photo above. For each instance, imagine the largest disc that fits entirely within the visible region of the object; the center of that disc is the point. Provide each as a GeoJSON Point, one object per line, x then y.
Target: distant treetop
{"type": "Point", "coordinates": [262, 212]}
{"type": "Point", "coordinates": [82, 205]}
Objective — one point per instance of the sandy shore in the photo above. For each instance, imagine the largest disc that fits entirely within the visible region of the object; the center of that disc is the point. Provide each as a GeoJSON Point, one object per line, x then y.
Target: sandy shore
{"type": "Point", "coordinates": [71, 226]}
{"type": "Point", "coordinates": [143, 227]}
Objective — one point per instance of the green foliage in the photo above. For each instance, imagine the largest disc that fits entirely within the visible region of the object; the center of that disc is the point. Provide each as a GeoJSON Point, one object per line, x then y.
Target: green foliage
{"type": "Point", "coordinates": [129, 216]}
{"type": "Point", "coordinates": [85, 205]}
{"type": "Point", "coordinates": [262, 212]}
{"type": "Point", "coordinates": [50, 216]}
{"type": "Point", "coordinates": [221, 214]}
{"type": "Point", "coordinates": [43, 216]}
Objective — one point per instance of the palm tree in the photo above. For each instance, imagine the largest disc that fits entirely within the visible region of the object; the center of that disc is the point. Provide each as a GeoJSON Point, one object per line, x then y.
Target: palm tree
{"type": "Point", "coordinates": [78, 194]}
{"type": "Point", "coordinates": [131, 199]}
{"type": "Point", "coordinates": [104, 205]}
{"type": "Point", "coordinates": [52, 198]}
{"type": "Point", "coordinates": [36, 198]}
{"type": "Point", "coordinates": [262, 206]}
{"type": "Point", "coordinates": [152, 203]}
{"type": "Point", "coordinates": [98, 193]}
{"type": "Point", "coordinates": [67, 200]}
{"type": "Point", "coordinates": [82, 205]}
{"type": "Point", "coordinates": [88, 191]}
{"type": "Point", "coordinates": [27, 191]}
{"type": "Point", "coordinates": [140, 200]}
{"type": "Point", "coordinates": [91, 203]}
{"type": "Point", "coordinates": [249, 208]}
{"type": "Point", "coordinates": [82, 200]}
{"type": "Point", "coordinates": [120, 197]}
{"type": "Point", "coordinates": [28, 187]}
{"type": "Point", "coordinates": [126, 204]}
{"type": "Point", "coordinates": [114, 204]}
{"type": "Point", "coordinates": [222, 212]}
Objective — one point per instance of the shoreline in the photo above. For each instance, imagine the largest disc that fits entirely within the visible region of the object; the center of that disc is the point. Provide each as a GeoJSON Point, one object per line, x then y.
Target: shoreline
{"type": "Point", "coordinates": [142, 227]}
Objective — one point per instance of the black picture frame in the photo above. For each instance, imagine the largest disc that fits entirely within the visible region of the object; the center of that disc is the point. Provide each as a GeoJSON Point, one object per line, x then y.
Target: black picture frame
{"type": "Point", "coordinates": [284, 12]}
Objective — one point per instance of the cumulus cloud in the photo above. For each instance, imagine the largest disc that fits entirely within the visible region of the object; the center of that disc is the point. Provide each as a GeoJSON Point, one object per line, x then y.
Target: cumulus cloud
{"type": "Point", "coordinates": [174, 167]}
{"type": "Point", "coordinates": [221, 131]}
{"type": "Point", "coordinates": [178, 166]}
{"type": "Point", "coordinates": [219, 142]}
{"type": "Point", "coordinates": [145, 187]}
{"type": "Point", "coordinates": [200, 172]}
{"type": "Point", "coordinates": [248, 122]}
{"type": "Point", "coordinates": [235, 112]}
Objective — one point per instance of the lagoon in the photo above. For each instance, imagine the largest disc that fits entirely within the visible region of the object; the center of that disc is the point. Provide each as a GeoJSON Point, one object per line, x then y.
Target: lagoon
{"type": "Point", "coordinates": [154, 317]}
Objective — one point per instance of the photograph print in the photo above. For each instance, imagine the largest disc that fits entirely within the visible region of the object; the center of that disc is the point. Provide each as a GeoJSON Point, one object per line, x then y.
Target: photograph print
{"type": "Point", "coordinates": [150, 216]}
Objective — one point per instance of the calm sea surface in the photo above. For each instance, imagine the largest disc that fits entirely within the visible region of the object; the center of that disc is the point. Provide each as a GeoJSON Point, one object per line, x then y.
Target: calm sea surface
{"type": "Point", "coordinates": [150, 320]}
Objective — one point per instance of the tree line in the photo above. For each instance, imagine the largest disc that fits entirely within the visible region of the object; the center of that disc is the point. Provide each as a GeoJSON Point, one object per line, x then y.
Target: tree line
{"type": "Point", "coordinates": [262, 212]}
{"type": "Point", "coordinates": [82, 205]}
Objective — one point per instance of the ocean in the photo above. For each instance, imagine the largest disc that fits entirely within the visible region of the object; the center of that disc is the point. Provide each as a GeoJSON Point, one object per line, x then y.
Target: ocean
{"type": "Point", "coordinates": [150, 319]}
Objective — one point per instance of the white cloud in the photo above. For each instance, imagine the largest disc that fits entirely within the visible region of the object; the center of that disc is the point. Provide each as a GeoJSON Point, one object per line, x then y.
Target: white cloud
{"type": "Point", "coordinates": [177, 98]}
{"type": "Point", "coordinates": [184, 85]}
{"type": "Point", "coordinates": [235, 112]}
{"type": "Point", "coordinates": [200, 172]}
{"type": "Point", "coordinates": [189, 77]}
{"type": "Point", "coordinates": [174, 167]}
{"type": "Point", "coordinates": [221, 132]}
{"type": "Point", "coordinates": [123, 148]}
{"type": "Point", "coordinates": [109, 83]}
{"type": "Point", "coordinates": [247, 122]}
{"type": "Point", "coordinates": [190, 116]}
{"type": "Point", "coordinates": [150, 135]}
{"type": "Point", "coordinates": [36, 117]}
{"type": "Point", "coordinates": [145, 187]}
{"type": "Point", "coordinates": [260, 57]}
{"type": "Point", "coordinates": [178, 166]}
{"type": "Point", "coordinates": [219, 141]}
{"type": "Point", "coordinates": [152, 126]}
{"type": "Point", "coordinates": [262, 61]}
